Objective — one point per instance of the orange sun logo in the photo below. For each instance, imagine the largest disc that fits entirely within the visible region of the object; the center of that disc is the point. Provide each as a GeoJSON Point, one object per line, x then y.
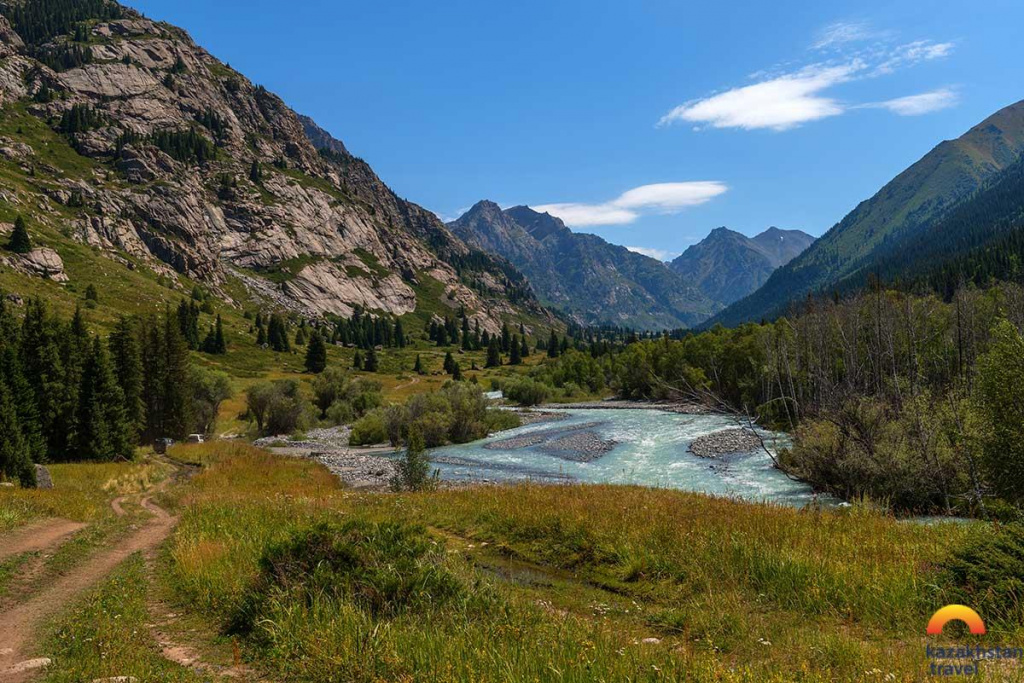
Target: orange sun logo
{"type": "Point", "coordinates": [956, 613]}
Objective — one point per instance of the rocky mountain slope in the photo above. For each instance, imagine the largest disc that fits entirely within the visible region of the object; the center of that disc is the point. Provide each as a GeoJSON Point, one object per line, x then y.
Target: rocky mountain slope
{"type": "Point", "coordinates": [123, 134]}
{"type": "Point", "coordinates": [903, 209]}
{"type": "Point", "coordinates": [583, 275]}
{"type": "Point", "coordinates": [727, 266]}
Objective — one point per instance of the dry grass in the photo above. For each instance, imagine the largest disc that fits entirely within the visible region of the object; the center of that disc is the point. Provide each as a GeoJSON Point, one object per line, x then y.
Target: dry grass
{"type": "Point", "coordinates": [573, 579]}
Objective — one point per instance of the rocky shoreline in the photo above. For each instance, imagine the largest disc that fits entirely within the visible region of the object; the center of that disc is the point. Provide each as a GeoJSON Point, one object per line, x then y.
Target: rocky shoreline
{"type": "Point", "coordinates": [679, 407]}
{"type": "Point", "coordinates": [725, 442]}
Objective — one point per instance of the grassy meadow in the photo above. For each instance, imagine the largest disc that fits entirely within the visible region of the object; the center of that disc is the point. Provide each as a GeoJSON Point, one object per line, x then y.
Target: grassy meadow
{"type": "Point", "coordinates": [560, 583]}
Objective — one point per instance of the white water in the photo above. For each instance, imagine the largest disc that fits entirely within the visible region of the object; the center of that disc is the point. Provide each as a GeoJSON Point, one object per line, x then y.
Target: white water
{"type": "Point", "coordinates": [651, 451]}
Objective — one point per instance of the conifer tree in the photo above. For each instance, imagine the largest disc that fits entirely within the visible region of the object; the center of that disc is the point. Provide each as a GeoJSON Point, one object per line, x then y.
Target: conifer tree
{"type": "Point", "coordinates": [553, 345]}
{"type": "Point", "coordinates": [104, 432]}
{"type": "Point", "coordinates": [316, 354]}
{"type": "Point", "coordinates": [515, 355]}
{"type": "Point", "coordinates": [418, 366]}
{"type": "Point", "coordinates": [126, 356]}
{"type": "Point", "coordinates": [15, 462]}
{"type": "Point", "coordinates": [449, 362]}
{"type": "Point", "coordinates": [399, 334]}
{"type": "Point", "coordinates": [493, 353]}
{"type": "Point", "coordinates": [357, 361]}
{"type": "Point", "coordinates": [220, 344]}
{"type": "Point", "coordinates": [371, 363]}
{"type": "Point", "coordinates": [524, 351]}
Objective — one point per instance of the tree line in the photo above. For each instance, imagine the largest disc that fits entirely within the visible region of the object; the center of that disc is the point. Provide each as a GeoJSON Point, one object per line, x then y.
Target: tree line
{"type": "Point", "coordinates": [66, 394]}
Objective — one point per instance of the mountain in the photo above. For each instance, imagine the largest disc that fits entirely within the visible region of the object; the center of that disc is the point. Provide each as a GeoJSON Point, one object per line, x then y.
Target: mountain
{"type": "Point", "coordinates": [583, 275]}
{"type": "Point", "coordinates": [886, 223]}
{"type": "Point", "coordinates": [122, 134]}
{"type": "Point", "coordinates": [727, 266]}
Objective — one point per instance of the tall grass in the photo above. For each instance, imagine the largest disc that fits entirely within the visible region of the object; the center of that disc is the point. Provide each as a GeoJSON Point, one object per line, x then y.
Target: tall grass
{"type": "Point", "coordinates": [81, 493]}
{"type": "Point", "coordinates": [563, 583]}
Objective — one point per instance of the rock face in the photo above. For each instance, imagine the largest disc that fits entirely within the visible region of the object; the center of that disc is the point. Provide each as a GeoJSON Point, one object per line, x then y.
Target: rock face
{"type": "Point", "coordinates": [727, 266]}
{"type": "Point", "coordinates": [583, 275]}
{"type": "Point", "coordinates": [196, 169]}
{"type": "Point", "coordinates": [45, 263]}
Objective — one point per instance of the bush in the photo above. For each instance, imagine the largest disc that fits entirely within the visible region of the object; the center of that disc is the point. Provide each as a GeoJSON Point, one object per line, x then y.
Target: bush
{"type": "Point", "coordinates": [340, 413]}
{"type": "Point", "coordinates": [368, 430]}
{"type": "Point", "coordinates": [526, 392]}
{"type": "Point", "coordinates": [500, 420]}
{"type": "Point", "coordinates": [277, 407]}
{"type": "Point", "coordinates": [413, 469]}
{"type": "Point", "coordinates": [385, 569]}
{"type": "Point", "coordinates": [988, 575]}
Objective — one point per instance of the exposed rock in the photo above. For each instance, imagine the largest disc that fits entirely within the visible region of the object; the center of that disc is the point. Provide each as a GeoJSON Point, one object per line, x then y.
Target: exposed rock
{"type": "Point", "coordinates": [45, 262]}
{"type": "Point", "coordinates": [725, 442]}
{"type": "Point", "coordinates": [328, 211]}
{"type": "Point", "coordinates": [43, 478]}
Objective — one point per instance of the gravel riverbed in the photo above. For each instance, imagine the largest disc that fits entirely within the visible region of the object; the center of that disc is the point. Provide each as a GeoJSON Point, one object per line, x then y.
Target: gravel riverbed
{"type": "Point", "coordinates": [727, 441]}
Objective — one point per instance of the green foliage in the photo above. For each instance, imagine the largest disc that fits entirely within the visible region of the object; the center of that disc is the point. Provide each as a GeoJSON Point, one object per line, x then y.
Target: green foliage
{"type": "Point", "coordinates": [414, 468]}
{"type": "Point", "coordinates": [386, 570]}
{"type": "Point", "coordinates": [277, 407]}
{"type": "Point", "coordinates": [20, 243]}
{"type": "Point", "coordinates": [316, 354]}
{"type": "Point", "coordinates": [41, 20]}
{"type": "Point", "coordinates": [337, 395]}
{"type": "Point", "coordinates": [526, 391]}
{"type": "Point", "coordinates": [1001, 411]}
{"type": "Point", "coordinates": [988, 575]}
{"type": "Point", "coordinates": [185, 146]}
{"type": "Point", "coordinates": [369, 430]}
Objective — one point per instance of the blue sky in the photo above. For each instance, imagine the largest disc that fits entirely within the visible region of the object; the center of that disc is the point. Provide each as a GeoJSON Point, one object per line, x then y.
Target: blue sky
{"type": "Point", "coordinates": [646, 122]}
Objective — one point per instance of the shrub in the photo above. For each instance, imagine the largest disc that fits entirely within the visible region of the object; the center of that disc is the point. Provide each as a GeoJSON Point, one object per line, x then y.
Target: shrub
{"type": "Point", "coordinates": [277, 407]}
{"type": "Point", "coordinates": [526, 392]}
{"type": "Point", "coordinates": [340, 413]}
{"type": "Point", "coordinates": [369, 429]}
{"type": "Point", "coordinates": [384, 569]}
{"type": "Point", "coordinates": [413, 469]}
{"type": "Point", "coordinates": [500, 420]}
{"type": "Point", "coordinates": [988, 574]}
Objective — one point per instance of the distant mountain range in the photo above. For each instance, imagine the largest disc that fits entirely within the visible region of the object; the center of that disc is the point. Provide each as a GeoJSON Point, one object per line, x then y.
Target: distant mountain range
{"type": "Point", "coordinates": [596, 282]}
{"type": "Point", "coordinates": [926, 216]}
{"type": "Point", "coordinates": [727, 266]}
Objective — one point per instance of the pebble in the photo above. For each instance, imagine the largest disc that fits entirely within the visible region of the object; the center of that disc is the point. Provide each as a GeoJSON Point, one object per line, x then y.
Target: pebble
{"type": "Point", "coordinates": [727, 441]}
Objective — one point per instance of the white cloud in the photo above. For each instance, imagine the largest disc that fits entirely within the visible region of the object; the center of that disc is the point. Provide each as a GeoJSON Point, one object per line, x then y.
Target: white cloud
{"type": "Point", "coordinates": [917, 105]}
{"type": "Point", "coordinates": [785, 98]}
{"type": "Point", "coordinates": [660, 254]}
{"type": "Point", "coordinates": [779, 103]}
{"type": "Point", "coordinates": [630, 205]}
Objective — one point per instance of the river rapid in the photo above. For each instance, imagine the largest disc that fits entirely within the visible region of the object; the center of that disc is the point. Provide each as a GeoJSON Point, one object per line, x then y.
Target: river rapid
{"type": "Point", "coordinates": [645, 447]}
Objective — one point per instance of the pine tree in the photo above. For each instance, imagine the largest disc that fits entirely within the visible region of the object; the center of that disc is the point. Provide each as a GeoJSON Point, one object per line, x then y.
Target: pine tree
{"type": "Point", "coordinates": [177, 418]}
{"type": "Point", "coordinates": [399, 334]}
{"type": "Point", "coordinates": [515, 355]}
{"type": "Point", "coordinates": [220, 344]}
{"type": "Point", "coordinates": [316, 354]}
{"type": "Point", "coordinates": [357, 361]}
{"type": "Point", "coordinates": [256, 172]}
{"type": "Point", "coordinates": [15, 461]}
{"type": "Point", "coordinates": [493, 353]}
{"type": "Point", "coordinates": [456, 372]}
{"type": "Point", "coordinates": [449, 362]}
{"type": "Point", "coordinates": [104, 431]}
{"type": "Point", "coordinates": [371, 363]}
{"type": "Point", "coordinates": [126, 355]}
{"type": "Point", "coordinates": [553, 345]}
{"type": "Point", "coordinates": [418, 366]}
{"type": "Point", "coordinates": [506, 338]}
{"type": "Point", "coordinates": [300, 337]}
{"type": "Point", "coordinates": [524, 352]}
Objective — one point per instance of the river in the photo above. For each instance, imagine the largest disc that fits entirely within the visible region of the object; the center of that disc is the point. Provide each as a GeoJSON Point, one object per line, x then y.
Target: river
{"type": "Point", "coordinates": [644, 447]}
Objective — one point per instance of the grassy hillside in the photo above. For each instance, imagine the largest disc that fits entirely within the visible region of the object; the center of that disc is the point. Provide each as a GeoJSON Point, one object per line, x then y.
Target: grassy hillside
{"type": "Point", "coordinates": [902, 209]}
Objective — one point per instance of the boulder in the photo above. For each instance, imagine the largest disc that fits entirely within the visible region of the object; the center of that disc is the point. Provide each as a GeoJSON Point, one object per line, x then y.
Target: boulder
{"type": "Point", "coordinates": [45, 262]}
{"type": "Point", "coordinates": [43, 478]}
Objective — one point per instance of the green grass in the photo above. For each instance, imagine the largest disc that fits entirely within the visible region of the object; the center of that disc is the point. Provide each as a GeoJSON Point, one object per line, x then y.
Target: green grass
{"type": "Point", "coordinates": [106, 635]}
{"type": "Point", "coordinates": [82, 492]}
{"type": "Point", "coordinates": [565, 582]}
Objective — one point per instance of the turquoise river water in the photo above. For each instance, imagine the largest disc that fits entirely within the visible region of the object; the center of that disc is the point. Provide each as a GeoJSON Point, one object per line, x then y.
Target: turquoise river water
{"type": "Point", "coordinates": [644, 447]}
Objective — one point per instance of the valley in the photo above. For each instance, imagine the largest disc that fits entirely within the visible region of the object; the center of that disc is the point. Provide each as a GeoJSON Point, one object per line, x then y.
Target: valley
{"type": "Point", "coordinates": [264, 419]}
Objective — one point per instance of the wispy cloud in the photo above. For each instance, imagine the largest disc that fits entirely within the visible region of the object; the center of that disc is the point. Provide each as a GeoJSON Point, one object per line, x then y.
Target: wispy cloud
{"type": "Point", "coordinates": [843, 33]}
{"type": "Point", "coordinates": [782, 99]}
{"type": "Point", "coordinates": [917, 105]}
{"type": "Point", "coordinates": [660, 254]}
{"type": "Point", "coordinates": [664, 198]}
